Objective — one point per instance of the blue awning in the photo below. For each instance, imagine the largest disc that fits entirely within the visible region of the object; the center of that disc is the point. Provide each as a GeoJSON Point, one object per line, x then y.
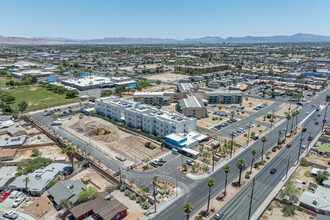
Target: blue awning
{"type": "Point", "coordinates": [65, 73]}
{"type": "Point", "coordinates": [83, 75]}
{"type": "Point", "coordinates": [50, 80]}
{"type": "Point", "coordinates": [132, 85]}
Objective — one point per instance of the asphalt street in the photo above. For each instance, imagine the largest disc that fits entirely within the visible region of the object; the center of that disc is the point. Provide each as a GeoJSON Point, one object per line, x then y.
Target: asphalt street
{"type": "Point", "coordinates": [199, 193]}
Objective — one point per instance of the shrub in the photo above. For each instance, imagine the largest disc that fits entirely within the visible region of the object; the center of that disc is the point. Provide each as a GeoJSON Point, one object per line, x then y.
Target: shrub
{"type": "Point", "coordinates": [288, 210]}
{"type": "Point", "coordinates": [247, 176]}
{"type": "Point", "coordinates": [87, 194]}
{"type": "Point", "coordinates": [110, 188]}
{"type": "Point", "coordinates": [122, 188]}
{"type": "Point", "coordinates": [138, 199]}
{"type": "Point", "coordinates": [35, 152]}
{"type": "Point", "coordinates": [145, 189]}
{"type": "Point", "coordinates": [274, 149]}
{"type": "Point", "coordinates": [145, 205]}
{"type": "Point", "coordinates": [321, 175]}
{"type": "Point", "coordinates": [304, 162]}
{"type": "Point", "coordinates": [262, 163]}
{"type": "Point", "coordinates": [132, 196]}
{"type": "Point", "coordinates": [256, 165]}
{"type": "Point", "coordinates": [127, 192]}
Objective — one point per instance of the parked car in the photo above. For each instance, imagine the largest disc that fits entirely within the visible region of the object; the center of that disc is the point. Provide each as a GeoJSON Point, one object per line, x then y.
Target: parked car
{"type": "Point", "coordinates": [153, 164]}
{"type": "Point", "coordinates": [10, 215]}
{"type": "Point", "coordinates": [19, 201]}
{"type": "Point", "coordinates": [273, 171]}
{"type": "Point", "coordinates": [288, 145]}
{"type": "Point", "coordinates": [218, 216]}
{"type": "Point", "coordinates": [190, 163]}
{"type": "Point", "coordinates": [163, 160]}
{"type": "Point", "coordinates": [5, 194]}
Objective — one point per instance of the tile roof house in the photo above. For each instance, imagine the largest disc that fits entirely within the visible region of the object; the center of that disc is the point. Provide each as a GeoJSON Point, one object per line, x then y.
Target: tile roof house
{"type": "Point", "coordinates": [67, 189]}
{"type": "Point", "coordinates": [102, 207]}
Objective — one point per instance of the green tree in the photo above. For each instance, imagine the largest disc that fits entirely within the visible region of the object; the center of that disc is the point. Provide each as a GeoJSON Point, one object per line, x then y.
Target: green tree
{"type": "Point", "coordinates": [232, 113]}
{"type": "Point", "coordinates": [71, 94]}
{"type": "Point", "coordinates": [291, 191]}
{"type": "Point", "coordinates": [254, 151]}
{"type": "Point", "coordinates": [304, 162]}
{"type": "Point", "coordinates": [187, 209]}
{"type": "Point", "coordinates": [240, 164]}
{"type": "Point", "coordinates": [87, 193]}
{"type": "Point", "coordinates": [226, 168]}
{"type": "Point", "coordinates": [321, 175]}
{"type": "Point", "coordinates": [210, 182]}
{"type": "Point", "coordinates": [65, 203]}
{"type": "Point", "coordinates": [35, 152]}
{"type": "Point", "coordinates": [71, 152]}
{"type": "Point", "coordinates": [158, 82]}
{"type": "Point", "coordinates": [22, 106]}
{"type": "Point", "coordinates": [279, 136]}
{"type": "Point", "coordinates": [289, 210]}
{"type": "Point", "coordinates": [110, 188]}
{"type": "Point", "coordinates": [263, 139]}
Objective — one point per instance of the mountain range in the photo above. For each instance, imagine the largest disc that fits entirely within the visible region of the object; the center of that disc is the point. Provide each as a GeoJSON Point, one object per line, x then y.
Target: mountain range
{"type": "Point", "coordinates": [296, 38]}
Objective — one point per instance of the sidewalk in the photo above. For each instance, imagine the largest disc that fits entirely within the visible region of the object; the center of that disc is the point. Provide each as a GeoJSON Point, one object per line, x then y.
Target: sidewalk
{"type": "Point", "coordinates": [163, 206]}
{"type": "Point", "coordinates": [280, 185]}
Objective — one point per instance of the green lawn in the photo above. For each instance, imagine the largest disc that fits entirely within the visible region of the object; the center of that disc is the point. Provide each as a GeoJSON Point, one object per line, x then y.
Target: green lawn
{"type": "Point", "coordinates": [37, 97]}
{"type": "Point", "coordinates": [3, 81]}
{"type": "Point", "coordinates": [324, 147]}
{"type": "Point", "coordinates": [325, 137]}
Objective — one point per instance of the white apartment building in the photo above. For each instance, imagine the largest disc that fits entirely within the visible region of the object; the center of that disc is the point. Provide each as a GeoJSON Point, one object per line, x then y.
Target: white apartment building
{"type": "Point", "coordinates": [146, 117]}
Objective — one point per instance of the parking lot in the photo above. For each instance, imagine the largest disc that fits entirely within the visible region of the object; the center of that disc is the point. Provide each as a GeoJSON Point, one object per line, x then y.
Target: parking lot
{"type": "Point", "coordinates": [6, 206]}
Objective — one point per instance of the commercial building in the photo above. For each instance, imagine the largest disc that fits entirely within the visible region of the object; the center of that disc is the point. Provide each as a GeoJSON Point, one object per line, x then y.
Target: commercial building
{"type": "Point", "coordinates": [148, 118]}
{"type": "Point", "coordinates": [180, 141]}
{"type": "Point", "coordinates": [202, 69]}
{"type": "Point", "coordinates": [222, 97]}
{"type": "Point", "coordinates": [89, 82]}
{"type": "Point", "coordinates": [39, 73]}
{"type": "Point", "coordinates": [39, 179]}
{"type": "Point", "coordinates": [193, 107]}
{"type": "Point", "coordinates": [123, 81]}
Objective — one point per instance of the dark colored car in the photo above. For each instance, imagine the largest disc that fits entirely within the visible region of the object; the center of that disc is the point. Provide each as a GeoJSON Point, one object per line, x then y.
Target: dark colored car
{"type": "Point", "coordinates": [310, 138]}
{"type": "Point", "coordinates": [316, 123]}
{"type": "Point", "coordinates": [288, 145]}
{"type": "Point", "coordinates": [304, 130]}
{"type": "Point", "coordinates": [273, 171]}
{"type": "Point", "coordinates": [153, 164]}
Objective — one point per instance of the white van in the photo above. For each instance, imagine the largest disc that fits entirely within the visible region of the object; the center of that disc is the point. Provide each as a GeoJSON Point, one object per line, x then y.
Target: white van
{"type": "Point", "coordinates": [19, 200]}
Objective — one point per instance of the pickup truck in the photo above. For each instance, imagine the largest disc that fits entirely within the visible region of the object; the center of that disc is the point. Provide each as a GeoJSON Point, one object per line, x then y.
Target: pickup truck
{"type": "Point", "coordinates": [10, 215]}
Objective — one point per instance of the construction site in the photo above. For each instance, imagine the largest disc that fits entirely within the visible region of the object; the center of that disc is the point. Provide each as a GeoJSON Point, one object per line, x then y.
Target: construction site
{"type": "Point", "coordinates": [122, 146]}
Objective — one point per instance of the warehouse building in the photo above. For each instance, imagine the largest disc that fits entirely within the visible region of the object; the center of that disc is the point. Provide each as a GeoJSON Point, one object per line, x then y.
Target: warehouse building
{"type": "Point", "coordinates": [89, 82]}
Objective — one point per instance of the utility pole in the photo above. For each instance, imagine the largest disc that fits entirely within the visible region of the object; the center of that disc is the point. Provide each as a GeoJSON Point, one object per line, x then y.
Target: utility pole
{"type": "Point", "coordinates": [154, 194]}
{"type": "Point", "coordinates": [301, 140]}
{"type": "Point", "coordinates": [120, 182]}
{"type": "Point", "coordinates": [287, 168]}
{"type": "Point", "coordinates": [176, 191]}
{"type": "Point", "coordinates": [182, 160]}
{"type": "Point", "coordinates": [232, 143]}
{"type": "Point", "coordinates": [253, 182]}
{"type": "Point", "coordinates": [213, 160]}
{"type": "Point", "coordinates": [248, 137]}
{"type": "Point", "coordinates": [325, 115]}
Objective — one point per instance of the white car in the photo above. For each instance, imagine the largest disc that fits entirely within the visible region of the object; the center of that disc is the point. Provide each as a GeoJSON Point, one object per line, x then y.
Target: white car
{"type": "Point", "coordinates": [303, 147]}
{"type": "Point", "coordinates": [19, 200]}
{"type": "Point", "coordinates": [10, 215]}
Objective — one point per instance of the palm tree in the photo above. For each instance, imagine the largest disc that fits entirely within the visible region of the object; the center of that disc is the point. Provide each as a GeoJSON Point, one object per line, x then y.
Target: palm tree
{"type": "Point", "coordinates": [210, 182]}
{"type": "Point", "coordinates": [263, 139]}
{"type": "Point", "coordinates": [26, 180]}
{"type": "Point", "coordinates": [187, 209]}
{"type": "Point", "coordinates": [288, 117]}
{"type": "Point", "coordinates": [279, 135]}
{"type": "Point", "coordinates": [71, 152]}
{"type": "Point", "coordinates": [241, 166]}
{"type": "Point", "coordinates": [227, 170]}
{"type": "Point", "coordinates": [254, 151]}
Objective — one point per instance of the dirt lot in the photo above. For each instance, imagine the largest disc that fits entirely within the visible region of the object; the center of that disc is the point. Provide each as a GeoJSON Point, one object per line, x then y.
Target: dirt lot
{"type": "Point", "coordinates": [47, 152]}
{"type": "Point", "coordinates": [254, 102]}
{"type": "Point", "coordinates": [208, 123]}
{"type": "Point", "coordinates": [39, 206]}
{"type": "Point", "coordinates": [97, 180]}
{"type": "Point", "coordinates": [284, 109]}
{"type": "Point", "coordinates": [274, 212]}
{"type": "Point", "coordinates": [318, 159]}
{"type": "Point", "coordinates": [170, 107]}
{"type": "Point", "coordinates": [134, 209]}
{"type": "Point", "coordinates": [168, 77]}
{"type": "Point", "coordinates": [117, 143]}
{"type": "Point", "coordinates": [158, 88]}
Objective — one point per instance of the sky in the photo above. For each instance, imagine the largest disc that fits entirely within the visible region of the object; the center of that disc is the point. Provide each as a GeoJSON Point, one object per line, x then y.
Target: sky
{"type": "Point", "coordinates": [178, 19]}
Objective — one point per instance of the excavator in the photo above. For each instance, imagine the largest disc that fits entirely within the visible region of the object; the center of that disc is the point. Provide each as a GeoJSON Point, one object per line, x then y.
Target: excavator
{"type": "Point", "coordinates": [149, 145]}
{"type": "Point", "coordinates": [106, 131]}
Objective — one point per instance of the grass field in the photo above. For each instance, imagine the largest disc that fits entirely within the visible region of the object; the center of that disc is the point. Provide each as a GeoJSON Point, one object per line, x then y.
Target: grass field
{"type": "Point", "coordinates": [37, 97]}
{"type": "Point", "coordinates": [3, 81]}
{"type": "Point", "coordinates": [324, 147]}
